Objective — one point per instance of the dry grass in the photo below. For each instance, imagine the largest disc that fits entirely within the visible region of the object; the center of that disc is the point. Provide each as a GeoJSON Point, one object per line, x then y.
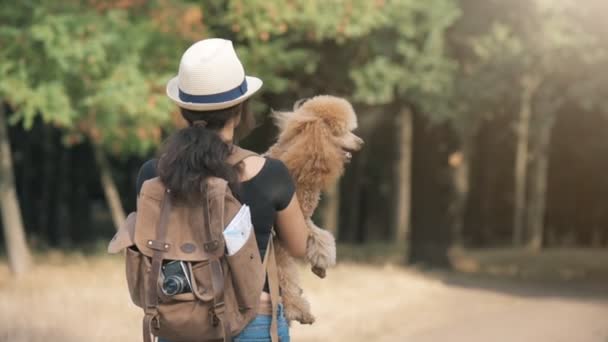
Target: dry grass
{"type": "Point", "coordinates": [554, 263]}
{"type": "Point", "coordinates": [80, 299]}
{"type": "Point", "coordinates": [85, 299]}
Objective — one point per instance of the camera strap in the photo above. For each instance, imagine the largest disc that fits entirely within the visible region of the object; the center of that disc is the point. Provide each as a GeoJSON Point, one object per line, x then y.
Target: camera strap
{"type": "Point", "coordinates": [159, 246]}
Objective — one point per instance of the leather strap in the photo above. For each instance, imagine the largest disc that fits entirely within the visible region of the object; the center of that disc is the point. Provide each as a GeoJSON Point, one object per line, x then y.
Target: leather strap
{"type": "Point", "coordinates": [270, 266]}
{"type": "Point", "coordinates": [238, 155]}
{"type": "Point", "coordinates": [213, 237]}
{"type": "Point", "coordinates": [159, 247]}
{"type": "Point", "coordinates": [216, 252]}
{"type": "Point", "coordinates": [269, 263]}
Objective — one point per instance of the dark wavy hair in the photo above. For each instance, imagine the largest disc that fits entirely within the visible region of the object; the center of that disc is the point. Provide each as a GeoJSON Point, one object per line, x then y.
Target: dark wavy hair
{"type": "Point", "coordinates": [196, 152]}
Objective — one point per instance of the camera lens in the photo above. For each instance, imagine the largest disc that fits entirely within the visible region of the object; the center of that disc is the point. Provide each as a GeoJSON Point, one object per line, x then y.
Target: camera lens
{"type": "Point", "coordinates": [173, 285]}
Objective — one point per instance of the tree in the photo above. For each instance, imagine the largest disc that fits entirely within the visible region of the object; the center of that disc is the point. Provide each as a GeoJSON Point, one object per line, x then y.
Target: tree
{"type": "Point", "coordinates": [95, 71]}
{"type": "Point", "coordinates": [532, 45]}
{"type": "Point", "coordinates": [14, 235]}
{"type": "Point", "coordinates": [331, 210]}
{"type": "Point", "coordinates": [563, 37]}
{"type": "Point", "coordinates": [488, 54]}
{"type": "Point", "coordinates": [409, 70]}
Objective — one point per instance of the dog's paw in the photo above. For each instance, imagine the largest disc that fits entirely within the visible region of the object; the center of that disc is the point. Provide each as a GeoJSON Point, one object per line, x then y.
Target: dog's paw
{"type": "Point", "coordinates": [297, 308]}
{"type": "Point", "coordinates": [301, 317]}
{"type": "Point", "coordinates": [319, 272]}
{"type": "Point", "coordinates": [307, 318]}
{"type": "Point", "coordinates": [321, 248]}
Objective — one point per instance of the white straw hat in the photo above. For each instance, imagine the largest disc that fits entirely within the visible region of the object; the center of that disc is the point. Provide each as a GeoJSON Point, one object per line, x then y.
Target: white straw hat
{"type": "Point", "coordinates": [211, 77]}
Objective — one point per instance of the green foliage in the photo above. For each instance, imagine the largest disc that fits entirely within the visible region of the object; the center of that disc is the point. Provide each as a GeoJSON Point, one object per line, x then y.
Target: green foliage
{"type": "Point", "coordinates": [99, 72]}
{"type": "Point", "coordinates": [313, 20]}
{"type": "Point", "coordinates": [281, 39]}
{"type": "Point", "coordinates": [397, 47]}
{"type": "Point", "coordinates": [87, 71]}
{"type": "Point", "coordinates": [408, 62]}
{"type": "Point", "coordinates": [97, 69]}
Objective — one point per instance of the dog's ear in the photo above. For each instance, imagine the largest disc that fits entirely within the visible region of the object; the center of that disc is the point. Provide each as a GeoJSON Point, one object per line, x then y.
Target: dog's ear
{"type": "Point", "coordinates": [280, 119]}
{"type": "Point", "coordinates": [313, 155]}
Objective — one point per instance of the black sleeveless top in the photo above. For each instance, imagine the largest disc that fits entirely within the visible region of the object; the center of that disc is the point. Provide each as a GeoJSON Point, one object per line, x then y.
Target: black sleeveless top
{"type": "Point", "coordinates": [269, 191]}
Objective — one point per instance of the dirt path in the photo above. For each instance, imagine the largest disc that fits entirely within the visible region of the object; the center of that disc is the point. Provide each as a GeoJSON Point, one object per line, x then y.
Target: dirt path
{"type": "Point", "coordinates": [407, 306]}
{"type": "Point", "coordinates": [87, 300]}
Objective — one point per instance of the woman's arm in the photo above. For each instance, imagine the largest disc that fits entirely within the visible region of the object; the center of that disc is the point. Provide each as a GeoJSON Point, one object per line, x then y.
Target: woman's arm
{"type": "Point", "coordinates": [291, 228]}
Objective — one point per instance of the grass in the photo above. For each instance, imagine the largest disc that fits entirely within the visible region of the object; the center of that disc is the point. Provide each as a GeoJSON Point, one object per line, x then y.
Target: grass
{"type": "Point", "coordinates": [548, 264]}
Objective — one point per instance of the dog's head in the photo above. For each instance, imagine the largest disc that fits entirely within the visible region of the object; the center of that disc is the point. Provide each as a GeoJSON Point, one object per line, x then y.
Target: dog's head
{"type": "Point", "coordinates": [321, 130]}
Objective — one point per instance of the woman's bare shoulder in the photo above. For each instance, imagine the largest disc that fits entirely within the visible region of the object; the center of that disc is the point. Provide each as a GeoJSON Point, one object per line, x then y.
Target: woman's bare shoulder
{"type": "Point", "coordinates": [251, 167]}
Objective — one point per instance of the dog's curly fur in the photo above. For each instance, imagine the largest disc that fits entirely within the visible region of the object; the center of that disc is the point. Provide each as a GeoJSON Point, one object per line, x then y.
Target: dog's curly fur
{"type": "Point", "coordinates": [314, 142]}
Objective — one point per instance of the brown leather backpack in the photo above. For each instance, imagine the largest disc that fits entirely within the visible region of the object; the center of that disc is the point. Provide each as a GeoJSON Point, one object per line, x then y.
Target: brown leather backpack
{"type": "Point", "coordinates": [225, 289]}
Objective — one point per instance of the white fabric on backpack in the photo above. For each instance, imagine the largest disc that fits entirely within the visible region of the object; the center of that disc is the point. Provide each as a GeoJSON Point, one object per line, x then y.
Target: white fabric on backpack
{"type": "Point", "coordinates": [238, 230]}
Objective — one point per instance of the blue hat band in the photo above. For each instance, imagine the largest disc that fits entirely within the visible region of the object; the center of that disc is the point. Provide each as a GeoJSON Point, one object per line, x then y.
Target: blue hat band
{"type": "Point", "coordinates": [225, 96]}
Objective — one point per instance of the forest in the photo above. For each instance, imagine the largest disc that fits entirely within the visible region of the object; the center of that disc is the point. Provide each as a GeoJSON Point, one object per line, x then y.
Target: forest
{"type": "Point", "coordinates": [484, 120]}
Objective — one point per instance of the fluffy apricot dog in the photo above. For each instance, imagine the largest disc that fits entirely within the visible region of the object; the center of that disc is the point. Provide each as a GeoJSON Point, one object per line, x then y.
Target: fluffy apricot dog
{"type": "Point", "coordinates": [315, 142]}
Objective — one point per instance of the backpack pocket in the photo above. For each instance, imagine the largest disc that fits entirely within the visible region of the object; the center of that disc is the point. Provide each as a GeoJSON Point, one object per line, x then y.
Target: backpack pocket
{"type": "Point", "coordinates": [137, 267]}
{"type": "Point", "coordinates": [202, 288]}
{"type": "Point", "coordinates": [247, 274]}
{"type": "Point", "coordinates": [183, 317]}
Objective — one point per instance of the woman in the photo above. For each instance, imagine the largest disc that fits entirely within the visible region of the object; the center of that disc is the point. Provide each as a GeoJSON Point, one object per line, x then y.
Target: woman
{"type": "Point", "coordinates": [212, 92]}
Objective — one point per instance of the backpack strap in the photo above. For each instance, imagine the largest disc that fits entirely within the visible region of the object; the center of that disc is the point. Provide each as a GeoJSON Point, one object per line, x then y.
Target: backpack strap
{"type": "Point", "coordinates": [215, 249]}
{"type": "Point", "coordinates": [159, 246]}
{"type": "Point", "coordinates": [239, 154]}
{"type": "Point", "coordinates": [270, 267]}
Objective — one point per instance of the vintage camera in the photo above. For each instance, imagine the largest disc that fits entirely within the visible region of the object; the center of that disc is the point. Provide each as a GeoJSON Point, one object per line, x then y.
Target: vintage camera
{"type": "Point", "coordinates": [176, 278]}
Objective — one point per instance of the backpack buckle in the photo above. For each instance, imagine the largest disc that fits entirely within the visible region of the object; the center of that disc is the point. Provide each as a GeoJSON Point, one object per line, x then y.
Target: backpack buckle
{"type": "Point", "coordinates": [152, 322]}
{"type": "Point", "coordinates": [213, 316]}
{"type": "Point", "coordinates": [217, 312]}
{"type": "Point", "coordinates": [219, 308]}
{"type": "Point", "coordinates": [158, 245]}
{"type": "Point", "coordinates": [211, 246]}
{"type": "Point", "coordinates": [155, 323]}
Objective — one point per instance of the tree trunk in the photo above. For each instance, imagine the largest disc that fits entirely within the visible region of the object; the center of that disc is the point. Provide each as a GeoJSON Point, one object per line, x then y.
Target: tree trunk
{"type": "Point", "coordinates": [354, 199]}
{"type": "Point", "coordinates": [14, 236]}
{"type": "Point", "coordinates": [487, 196]}
{"type": "Point", "coordinates": [460, 164]}
{"type": "Point", "coordinates": [24, 177]}
{"type": "Point", "coordinates": [597, 236]}
{"type": "Point", "coordinates": [79, 198]}
{"type": "Point", "coordinates": [46, 222]}
{"type": "Point", "coordinates": [403, 175]}
{"type": "Point", "coordinates": [109, 188]}
{"type": "Point", "coordinates": [65, 181]}
{"type": "Point", "coordinates": [529, 86]}
{"type": "Point", "coordinates": [331, 212]}
{"type": "Point", "coordinates": [538, 185]}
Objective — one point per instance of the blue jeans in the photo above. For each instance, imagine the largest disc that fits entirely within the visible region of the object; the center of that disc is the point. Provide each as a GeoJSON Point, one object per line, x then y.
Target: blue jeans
{"type": "Point", "coordinates": [258, 330]}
